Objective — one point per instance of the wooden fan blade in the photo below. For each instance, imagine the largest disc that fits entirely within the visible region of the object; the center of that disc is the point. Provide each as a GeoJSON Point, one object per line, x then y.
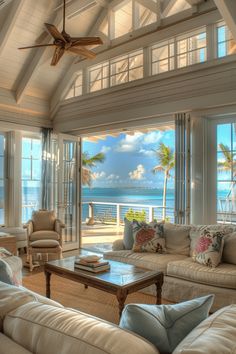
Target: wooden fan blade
{"type": "Point", "coordinates": [54, 32]}
{"type": "Point", "coordinates": [38, 46]}
{"type": "Point", "coordinates": [58, 53]}
{"type": "Point", "coordinates": [86, 41]}
{"type": "Point", "coordinates": [82, 51]}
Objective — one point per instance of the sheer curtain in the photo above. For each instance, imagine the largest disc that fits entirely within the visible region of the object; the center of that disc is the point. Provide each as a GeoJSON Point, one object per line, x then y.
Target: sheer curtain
{"type": "Point", "coordinates": [182, 168]}
{"type": "Point", "coordinates": [47, 162]}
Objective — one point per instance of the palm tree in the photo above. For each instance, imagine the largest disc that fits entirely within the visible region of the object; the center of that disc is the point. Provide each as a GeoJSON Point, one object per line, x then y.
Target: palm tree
{"type": "Point", "coordinates": [166, 159]}
{"type": "Point", "coordinates": [87, 163]}
{"type": "Point", "coordinates": [228, 165]}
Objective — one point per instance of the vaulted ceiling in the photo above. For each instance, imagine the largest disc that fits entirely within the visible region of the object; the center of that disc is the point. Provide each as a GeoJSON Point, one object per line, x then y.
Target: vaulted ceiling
{"type": "Point", "coordinates": [28, 73]}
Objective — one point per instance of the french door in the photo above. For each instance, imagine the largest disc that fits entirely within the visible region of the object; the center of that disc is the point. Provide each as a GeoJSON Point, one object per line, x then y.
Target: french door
{"type": "Point", "coordinates": [68, 189]}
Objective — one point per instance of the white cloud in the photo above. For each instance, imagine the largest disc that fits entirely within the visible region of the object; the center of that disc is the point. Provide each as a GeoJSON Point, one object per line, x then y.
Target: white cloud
{"type": "Point", "coordinates": [146, 152]}
{"type": "Point", "coordinates": [152, 138]}
{"type": "Point", "coordinates": [130, 143]}
{"type": "Point", "coordinates": [99, 175]}
{"type": "Point", "coordinates": [113, 177]}
{"type": "Point", "coordinates": [105, 149]}
{"type": "Point", "coordinates": [138, 173]}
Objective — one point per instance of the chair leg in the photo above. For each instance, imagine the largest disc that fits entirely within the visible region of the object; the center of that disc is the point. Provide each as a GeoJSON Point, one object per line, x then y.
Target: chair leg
{"type": "Point", "coordinates": [31, 262]}
{"type": "Point", "coordinates": [60, 254]}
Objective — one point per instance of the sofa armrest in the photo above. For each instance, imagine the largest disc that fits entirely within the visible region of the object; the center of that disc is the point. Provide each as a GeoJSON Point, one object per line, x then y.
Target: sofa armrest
{"type": "Point", "coordinates": [118, 245]}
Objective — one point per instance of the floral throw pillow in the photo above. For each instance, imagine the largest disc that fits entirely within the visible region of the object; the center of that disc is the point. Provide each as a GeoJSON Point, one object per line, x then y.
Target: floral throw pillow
{"type": "Point", "coordinates": [209, 247]}
{"type": "Point", "coordinates": [148, 237]}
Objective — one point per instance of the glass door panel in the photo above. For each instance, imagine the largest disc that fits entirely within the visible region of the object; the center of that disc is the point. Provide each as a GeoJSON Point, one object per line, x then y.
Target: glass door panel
{"type": "Point", "coordinates": [2, 179]}
{"type": "Point", "coordinates": [67, 190]}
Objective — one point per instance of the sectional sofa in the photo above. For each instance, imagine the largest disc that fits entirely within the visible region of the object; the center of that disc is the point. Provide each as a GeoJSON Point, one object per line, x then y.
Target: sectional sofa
{"type": "Point", "coordinates": [185, 279]}
{"type": "Point", "coordinates": [30, 323]}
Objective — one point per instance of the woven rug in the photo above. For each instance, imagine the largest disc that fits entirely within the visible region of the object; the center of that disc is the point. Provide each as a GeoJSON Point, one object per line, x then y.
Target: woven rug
{"type": "Point", "coordinates": [92, 301]}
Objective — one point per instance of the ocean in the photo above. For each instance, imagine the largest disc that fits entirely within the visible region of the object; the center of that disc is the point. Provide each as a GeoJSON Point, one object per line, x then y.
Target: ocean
{"type": "Point", "coordinates": [149, 197]}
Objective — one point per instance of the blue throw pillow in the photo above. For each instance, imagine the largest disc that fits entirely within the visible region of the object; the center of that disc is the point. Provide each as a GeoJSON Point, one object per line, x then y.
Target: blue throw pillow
{"type": "Point", "coordinates": [166, 325]}
{"type": "Point", "coordinates": [128, 239]}
{"type": "Point", "coordinates": [5, 273]}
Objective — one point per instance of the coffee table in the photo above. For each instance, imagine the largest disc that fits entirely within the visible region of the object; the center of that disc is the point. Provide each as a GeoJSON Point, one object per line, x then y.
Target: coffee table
{"type": "Point", "coordinates": [122, 279]}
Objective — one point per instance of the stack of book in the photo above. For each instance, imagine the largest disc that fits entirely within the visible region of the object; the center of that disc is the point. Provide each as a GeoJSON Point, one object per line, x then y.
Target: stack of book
{"type": "Point", "coordinates": [92, 264]}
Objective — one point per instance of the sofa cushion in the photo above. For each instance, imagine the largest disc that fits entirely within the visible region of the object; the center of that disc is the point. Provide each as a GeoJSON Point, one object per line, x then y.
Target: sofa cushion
{"type": "Point", "coordinates": [214, 335]}
{"type": "Point", "coordinates": [6, 275]}
{"type": "Point", "coordinates": [223, 276]}
{"type": "Point", "coordinates": [43, 234]}
{"type": "Point", "coordinates": [45, 244]}
{"type": "Point", "coordinates": [196, 231]}
{"type": "Point", "coordinates": [166, 325]}
{"type": "Point", "coordinates": [148, 237]}
{"type": "Point", "coordinates": [177, 238]}
{"type": "Point", "coordinates": [229, 250]}
{"type": "Point", "coordinates": [54, 330]}
{"type": "Point", "coordinates": [128, 239]}
{"type": "Point", "coordinates": [43, 220]}
{"type": "Point", "coordinates": [8, 346]}
{"type": "Point", "coordinates": [209, 248]}
{"type": "Point", "coordinates": [152, 261]}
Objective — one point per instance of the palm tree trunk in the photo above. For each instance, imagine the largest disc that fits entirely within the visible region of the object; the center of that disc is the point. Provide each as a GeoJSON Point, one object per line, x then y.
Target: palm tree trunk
{"type": "Point", "coordinates": [164, 197]}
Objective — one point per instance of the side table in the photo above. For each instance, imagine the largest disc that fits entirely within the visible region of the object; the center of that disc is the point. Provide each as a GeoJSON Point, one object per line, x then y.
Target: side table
{"type": "Point", "coordinates": [9, 242]}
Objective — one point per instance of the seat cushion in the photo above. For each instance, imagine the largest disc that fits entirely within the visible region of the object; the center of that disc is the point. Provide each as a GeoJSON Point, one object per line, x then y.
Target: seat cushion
{"type": "Point", "coordinates": [214, 335]}
{"type": "Point", "coordinates": [152, 261]}
{"type": "Point", "coordinates": [43, 220]}
{"type": "Point", "coordinates": [45, 244]}
{"type": "Point", "coordinates": [10, 347]}
{"type": "Point", "coordinates": [39, 235]}
{"type": "Point", "coordinates": [177, 238]}
{"type": "Point", "coordinates": [223, 276]}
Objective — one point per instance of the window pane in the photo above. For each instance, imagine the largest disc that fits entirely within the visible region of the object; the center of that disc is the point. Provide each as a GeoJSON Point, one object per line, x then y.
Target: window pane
{"type": "Point", "coordinates": [30, 198]}
{"type": "Point", "coordinates": [1, 145]}
{"type": "Point", "coordinates": [36, 149]}
{"type": "Point", "coordinates": [1, 167]}
{"type": "Point", "coordinates": [224, 135]}
{"type": "Point", "coordinates": [136, 61]}
{"type": "Point", "coordinates": [123, 19]}
{"type": "Point", "coordinates": [26, 147]}
{"type": "Point", "coordinates": [135, 74]}
{"type": "Point", "coordinates": [26, 169]}
{"type": "Point", "coordinates": [222, 50]}
{"type": "Point", "coordinates": [36, 170]}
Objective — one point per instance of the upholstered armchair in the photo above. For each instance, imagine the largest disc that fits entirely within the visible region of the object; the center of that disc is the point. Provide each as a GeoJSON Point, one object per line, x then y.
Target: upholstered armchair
{"type": "Point", "coordinates": [44, 235]}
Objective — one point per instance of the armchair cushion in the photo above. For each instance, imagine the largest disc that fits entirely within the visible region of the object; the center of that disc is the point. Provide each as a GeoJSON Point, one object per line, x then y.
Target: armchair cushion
{"type": "Point", "coordinates": [45, 235]}
{"type": "Point", "coordinates": [44, 220]}
{"type": "Point", "coordinates": [45, 244]}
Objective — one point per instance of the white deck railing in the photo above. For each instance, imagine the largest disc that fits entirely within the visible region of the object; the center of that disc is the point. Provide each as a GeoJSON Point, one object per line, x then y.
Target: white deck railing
{"type": "Point", "coordinates": [114, 213]}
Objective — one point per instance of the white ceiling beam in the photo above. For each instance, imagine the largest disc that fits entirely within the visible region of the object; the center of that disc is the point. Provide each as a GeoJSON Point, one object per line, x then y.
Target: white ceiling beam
{"type": "Point", "coordinates": [227, 9]}
{"type": "Point", "coordinates": [149, 4]}
{"type": "Point", "coordinates": [166, 7]}
{"type": "Point", "coordinates": [30, 69]}
{"type": "Point", "coordinates": [9, 23]}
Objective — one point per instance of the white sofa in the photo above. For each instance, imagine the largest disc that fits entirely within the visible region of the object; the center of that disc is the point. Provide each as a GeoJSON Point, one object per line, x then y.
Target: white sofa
{"type": "Point", "coordinates": [30, 323]}
{"type": "Point", "coordinates": [185, 279]}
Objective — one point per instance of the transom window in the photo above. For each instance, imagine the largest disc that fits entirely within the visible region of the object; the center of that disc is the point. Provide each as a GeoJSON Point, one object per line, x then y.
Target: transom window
{"type": "Point", "coordinates": [162, 57]}
{"type": "Point", "coordinates": [225, 43]}
{"type": "Point", "coordinates": [191, 49]}
{"type": "Point", "coordinates": [76, 89]}
{"type": "Point", "coordinates": [31, 176]}
{"type": "Point", "coordinates": [126, 68]}
{"type": "Point", "coordinates": [117, 71]}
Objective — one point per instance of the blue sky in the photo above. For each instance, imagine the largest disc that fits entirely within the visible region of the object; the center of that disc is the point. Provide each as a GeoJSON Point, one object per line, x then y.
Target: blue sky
{"type": "Point", "coordinates": [129, 159]}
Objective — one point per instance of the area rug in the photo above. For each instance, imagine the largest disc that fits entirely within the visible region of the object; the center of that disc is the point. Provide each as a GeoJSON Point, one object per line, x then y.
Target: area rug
{"type": "Point", "coordinates": [92, 301]}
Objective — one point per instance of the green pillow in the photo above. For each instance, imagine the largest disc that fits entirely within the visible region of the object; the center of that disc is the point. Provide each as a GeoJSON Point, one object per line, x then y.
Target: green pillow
{"type": "Point", "coordinates": [166, 325]}
{"type": "Point", "coordinates": [6, 275]}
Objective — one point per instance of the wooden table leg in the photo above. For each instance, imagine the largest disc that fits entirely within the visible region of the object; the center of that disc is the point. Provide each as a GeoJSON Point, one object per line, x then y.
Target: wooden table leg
{"type": "Point", "coordinates": [159, 284]}
{"type": "Point", "coordinates": [121, 296]}
{"type": "Point", "coordinates": [48, 278]}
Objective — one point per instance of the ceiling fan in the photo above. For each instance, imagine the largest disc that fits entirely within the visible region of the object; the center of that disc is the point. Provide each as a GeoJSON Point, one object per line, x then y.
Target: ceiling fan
{"type": "Point", "coordinates": [63, 42]}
